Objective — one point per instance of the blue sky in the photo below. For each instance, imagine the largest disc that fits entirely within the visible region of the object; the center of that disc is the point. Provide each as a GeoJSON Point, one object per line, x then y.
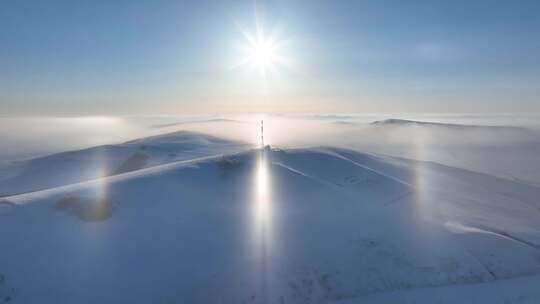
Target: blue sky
{"type": "Point", "coordinates": [172, 57]}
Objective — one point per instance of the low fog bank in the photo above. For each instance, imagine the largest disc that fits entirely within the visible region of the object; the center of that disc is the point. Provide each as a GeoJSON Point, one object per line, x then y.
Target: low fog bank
{"type": "Point", "coordinates": [502, 145]}
{"type": "Point", "coordinates": [29, 137]}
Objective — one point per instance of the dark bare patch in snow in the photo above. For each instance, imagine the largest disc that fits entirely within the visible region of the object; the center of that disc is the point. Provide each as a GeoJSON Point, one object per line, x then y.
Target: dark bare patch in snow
{"type": "Point", "coordinates": [135, 162]}
{"type": "Point", "coordinates": [86, 209]}
{"type": "Point", "coordinates": [7, 293]}
{"type": "Point", "coordinates": [230, 165]}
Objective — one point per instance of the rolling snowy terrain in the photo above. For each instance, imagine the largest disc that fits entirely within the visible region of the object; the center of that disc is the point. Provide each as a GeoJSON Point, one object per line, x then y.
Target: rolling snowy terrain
{"type": "Point", "coordinates": [82, 165]}
{"type": "Point", "coordinates": [502, 150]}
{"type": "Point", "coordinates": [191, 218]}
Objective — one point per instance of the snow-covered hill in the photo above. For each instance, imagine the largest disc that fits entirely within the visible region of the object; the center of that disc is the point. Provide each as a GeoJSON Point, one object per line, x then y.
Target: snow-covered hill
{"type": "Point", "coordinates": [82, 165]}
{"type": "Point", "coordinates": [408, 122]}
{"type": "Point", "coordinates": [319, 225]}
{"type": "Point", "coordinates": [505, 151]}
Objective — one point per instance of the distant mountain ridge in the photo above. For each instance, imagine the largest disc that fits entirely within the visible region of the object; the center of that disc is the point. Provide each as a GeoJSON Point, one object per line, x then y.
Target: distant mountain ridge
{"type": "Point", "coordinates": [406, 122]}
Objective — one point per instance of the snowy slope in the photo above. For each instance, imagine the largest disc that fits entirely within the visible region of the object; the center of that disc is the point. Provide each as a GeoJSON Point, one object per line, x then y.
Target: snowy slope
{"type": "Point", "coordinates": [505, 151]}
{"type": "Point", "coordinates": [321, 225]}
{"type": "Point", "coordinates": [77, 166]}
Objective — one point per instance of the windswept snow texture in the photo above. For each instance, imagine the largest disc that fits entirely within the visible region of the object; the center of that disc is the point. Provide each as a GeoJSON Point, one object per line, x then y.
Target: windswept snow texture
{"type": "Point", "coordinates": [77, 166]}
{"type": "Point", "coordinates": [322, 225]}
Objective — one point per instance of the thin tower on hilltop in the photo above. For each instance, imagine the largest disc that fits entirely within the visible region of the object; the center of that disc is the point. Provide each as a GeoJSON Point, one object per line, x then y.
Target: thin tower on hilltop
{"type": "Point", "coordinates": [262, 133]}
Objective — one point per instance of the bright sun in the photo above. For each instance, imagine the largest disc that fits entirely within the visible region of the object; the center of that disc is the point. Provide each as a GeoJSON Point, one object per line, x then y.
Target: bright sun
{"type": "Point", "coordinates": [262, 52]}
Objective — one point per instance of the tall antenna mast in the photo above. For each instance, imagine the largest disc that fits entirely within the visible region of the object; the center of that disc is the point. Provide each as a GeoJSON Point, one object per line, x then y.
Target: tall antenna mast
{"type": "Point", "coordinates": [262, 133]}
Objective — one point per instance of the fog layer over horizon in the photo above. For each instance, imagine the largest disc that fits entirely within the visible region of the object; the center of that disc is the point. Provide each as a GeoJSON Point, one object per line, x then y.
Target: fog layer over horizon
{"type": "Point", "coordinates": [475, 142]}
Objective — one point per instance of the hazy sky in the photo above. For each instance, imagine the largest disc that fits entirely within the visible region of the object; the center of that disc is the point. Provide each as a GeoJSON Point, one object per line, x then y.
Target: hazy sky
{"type": "Point", "coordinates": [154, 57]}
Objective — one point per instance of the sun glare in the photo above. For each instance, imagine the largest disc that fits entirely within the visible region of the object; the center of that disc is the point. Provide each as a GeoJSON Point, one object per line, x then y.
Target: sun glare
{"type": "Point", "coordinates": [262, 51]}
{"type": "Point", "coordinates": [262, 54]}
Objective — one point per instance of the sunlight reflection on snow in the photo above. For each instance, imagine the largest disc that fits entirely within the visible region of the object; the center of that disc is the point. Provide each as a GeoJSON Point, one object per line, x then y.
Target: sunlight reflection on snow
{"type": "Point", "coordinates": [262, 217]}
{"type": "Point", "coordinates": [262, 208]}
